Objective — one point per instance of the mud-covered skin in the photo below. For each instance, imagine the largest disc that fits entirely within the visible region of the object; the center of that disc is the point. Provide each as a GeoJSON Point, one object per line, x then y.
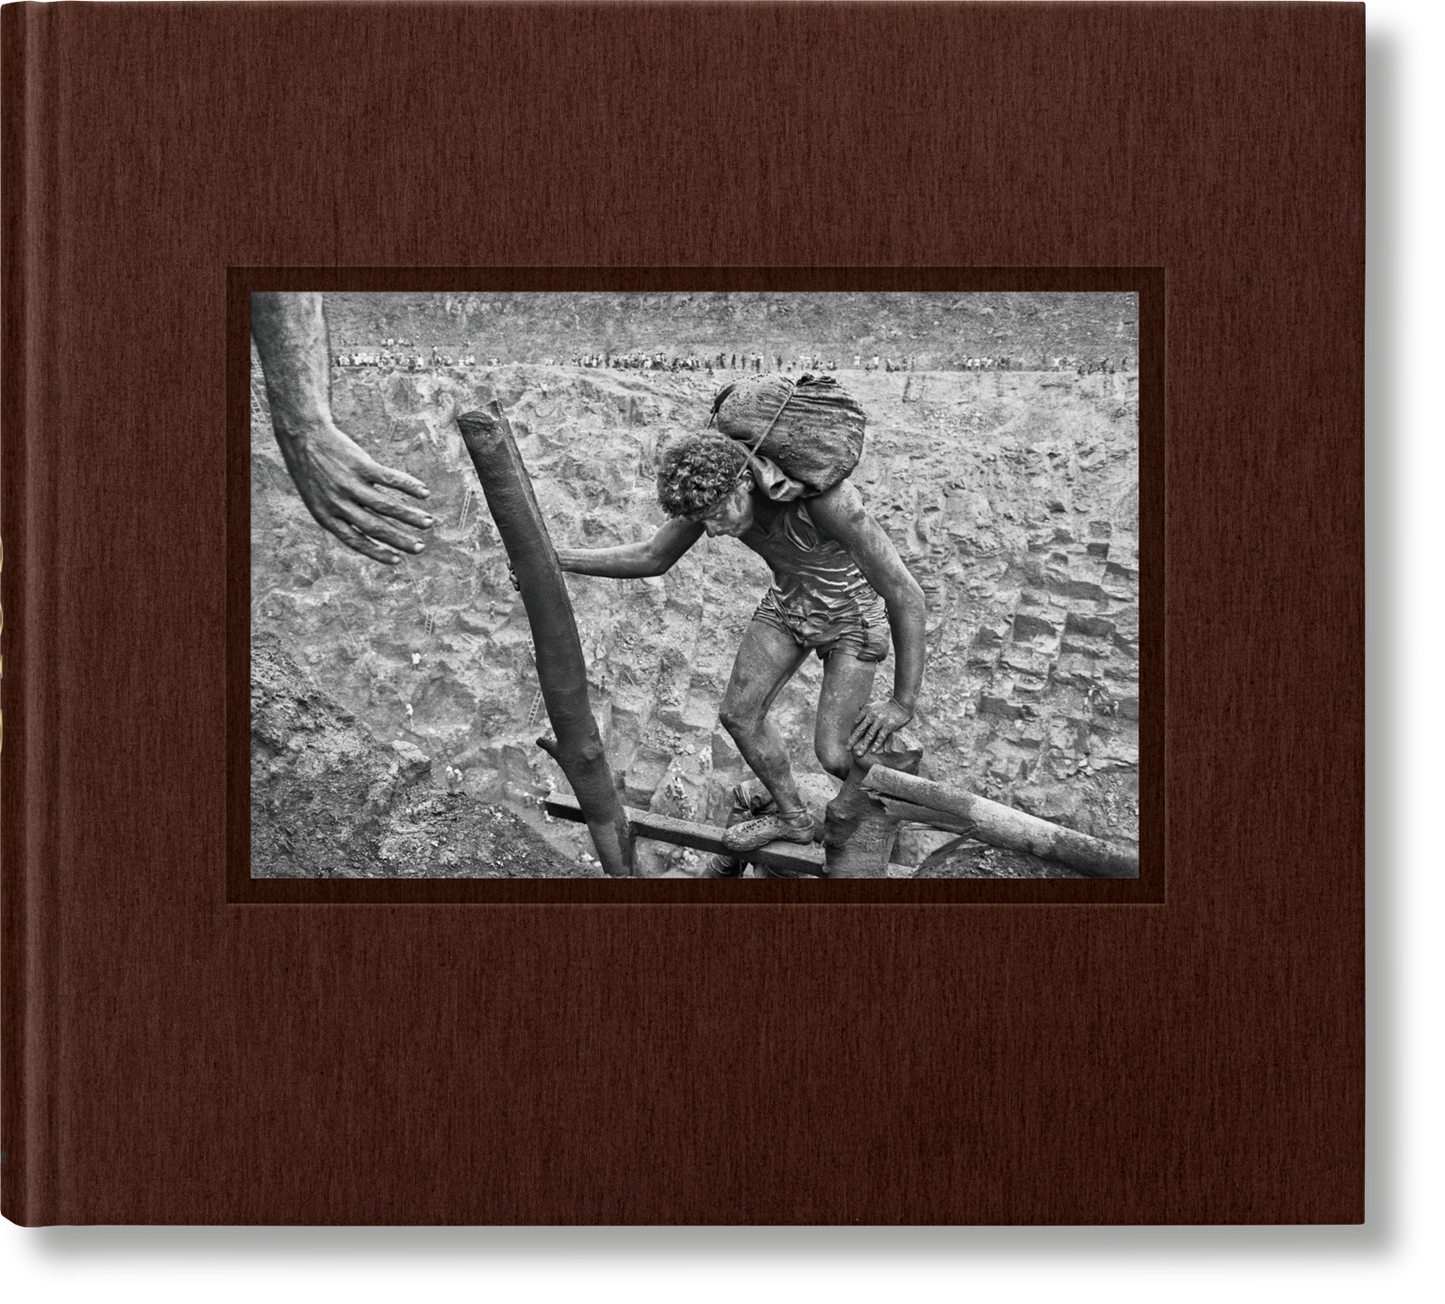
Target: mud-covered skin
{"type": "Point", "coordinates": [769, 657]}
{"type": "Point", "coordinates": [340, 483]}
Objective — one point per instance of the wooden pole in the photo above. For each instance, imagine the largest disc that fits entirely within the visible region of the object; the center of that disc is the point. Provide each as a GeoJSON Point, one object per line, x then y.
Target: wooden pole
{"type": "Point", "coordinates": [937, 819]}
{"type": "Point", "coordinates": [1003, 826]}
{"type": "Point", "coordinates": [561, 669]}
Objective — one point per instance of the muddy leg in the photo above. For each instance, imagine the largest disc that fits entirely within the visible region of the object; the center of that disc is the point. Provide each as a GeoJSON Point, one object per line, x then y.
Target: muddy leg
{"type": "Point", "coordinates": [766, 660]}
{"type": "Point", "coordinates": [847, 686]}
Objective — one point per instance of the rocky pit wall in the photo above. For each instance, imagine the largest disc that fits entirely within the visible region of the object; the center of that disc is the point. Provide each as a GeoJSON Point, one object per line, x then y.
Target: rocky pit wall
{"type": "Point", "coordinates": [331, 801]}
{"type": "Point", "coordinates": [1011, 496]}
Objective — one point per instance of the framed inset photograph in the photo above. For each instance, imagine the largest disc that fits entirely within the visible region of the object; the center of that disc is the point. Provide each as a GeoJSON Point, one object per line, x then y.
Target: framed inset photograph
{"type": "Point", "coordinates": [644, 588]}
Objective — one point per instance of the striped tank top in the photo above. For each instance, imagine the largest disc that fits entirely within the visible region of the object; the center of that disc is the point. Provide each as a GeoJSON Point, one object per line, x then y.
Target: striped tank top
{"type": "Point", "coordinates": [817, 586]}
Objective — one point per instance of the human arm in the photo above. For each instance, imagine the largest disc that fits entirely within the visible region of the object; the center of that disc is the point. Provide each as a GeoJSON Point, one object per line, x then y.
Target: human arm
{"type": "Point", "coordinates": [336, 478]}
{"type": "Point", "coordinates": [841, 516]}
{"type": "Point", "coordinates": [634, 560]}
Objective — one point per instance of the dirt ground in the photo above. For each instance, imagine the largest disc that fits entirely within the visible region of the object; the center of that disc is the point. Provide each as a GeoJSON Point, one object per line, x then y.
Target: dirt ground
{"type": "Point", "coordinates": [331, 801]}
{"type": "Point", "coordinates": [1011, 495]}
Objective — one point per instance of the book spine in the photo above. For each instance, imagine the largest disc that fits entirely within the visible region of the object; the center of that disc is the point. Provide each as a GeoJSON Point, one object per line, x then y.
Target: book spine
{"type": "Point", "coordinates": [13, 23]}
{"type": "Point", "coordinates": [27, 159]}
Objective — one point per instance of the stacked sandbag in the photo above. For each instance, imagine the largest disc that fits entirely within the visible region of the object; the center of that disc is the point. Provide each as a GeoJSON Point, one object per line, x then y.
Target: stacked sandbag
{"type": "Point", "coordinates": [818, 437]}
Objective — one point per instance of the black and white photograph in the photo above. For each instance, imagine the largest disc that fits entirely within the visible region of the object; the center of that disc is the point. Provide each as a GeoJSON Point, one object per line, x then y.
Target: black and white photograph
{"type": "Point", "coordinates": [701, 585]}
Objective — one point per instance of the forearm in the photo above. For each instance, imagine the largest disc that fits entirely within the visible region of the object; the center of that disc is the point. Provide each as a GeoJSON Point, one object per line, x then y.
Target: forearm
{"type": "Point", "coordinates": [907, 619]}
{"type": "Point", "coordinates": [630, 561]}
{"type": "Point", "coordinates": [290, 335]}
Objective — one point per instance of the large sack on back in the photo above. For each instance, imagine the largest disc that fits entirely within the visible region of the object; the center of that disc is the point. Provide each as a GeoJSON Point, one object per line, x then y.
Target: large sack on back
{"type": "Point", "coordinates": [817, 438]}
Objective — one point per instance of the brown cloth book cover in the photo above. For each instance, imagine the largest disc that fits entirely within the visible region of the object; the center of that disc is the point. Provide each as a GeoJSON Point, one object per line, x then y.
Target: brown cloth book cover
{"type": "Point", "coordinates": [181, 1045]}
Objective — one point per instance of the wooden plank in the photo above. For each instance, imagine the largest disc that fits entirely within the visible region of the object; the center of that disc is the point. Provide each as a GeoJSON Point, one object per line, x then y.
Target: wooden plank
{"type": "Point", "coordinates": [1003, 826]}
{"type": "Point", "coordinates": [792, 856]}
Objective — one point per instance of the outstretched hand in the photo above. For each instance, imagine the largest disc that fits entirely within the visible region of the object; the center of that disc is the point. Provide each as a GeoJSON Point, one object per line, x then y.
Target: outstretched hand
{"type": "Point", "coordinates": [340, 483]}
{"type": "Point", "coordinates": [876, 725]}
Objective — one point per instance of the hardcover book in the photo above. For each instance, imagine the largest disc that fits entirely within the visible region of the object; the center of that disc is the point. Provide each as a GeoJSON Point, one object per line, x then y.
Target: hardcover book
{"type": "Point", "coordinates": [682, 613]}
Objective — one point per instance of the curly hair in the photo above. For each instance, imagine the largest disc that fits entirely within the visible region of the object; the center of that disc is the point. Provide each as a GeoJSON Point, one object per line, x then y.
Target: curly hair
{"type": "Point", "coordinates": [694, 471]}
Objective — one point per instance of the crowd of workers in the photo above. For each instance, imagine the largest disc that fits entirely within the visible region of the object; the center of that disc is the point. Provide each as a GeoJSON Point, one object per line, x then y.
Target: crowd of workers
{"type": "Point", "coordinates": [406, 355]}
{"type": "Point", "coordinates": [397, 353]}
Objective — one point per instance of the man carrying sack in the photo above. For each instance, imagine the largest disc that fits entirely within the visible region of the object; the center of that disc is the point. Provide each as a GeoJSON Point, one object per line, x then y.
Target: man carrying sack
{"type": "Point", "coordinates": [774, 476]}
